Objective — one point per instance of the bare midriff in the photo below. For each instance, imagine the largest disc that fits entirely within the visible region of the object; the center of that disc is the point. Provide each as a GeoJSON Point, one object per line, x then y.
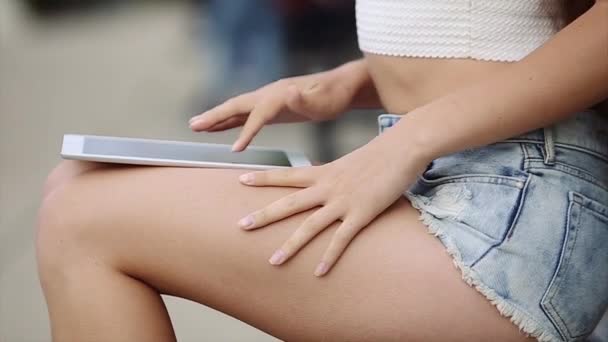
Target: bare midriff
{"type": "Point", "coordinates": [405, 83]}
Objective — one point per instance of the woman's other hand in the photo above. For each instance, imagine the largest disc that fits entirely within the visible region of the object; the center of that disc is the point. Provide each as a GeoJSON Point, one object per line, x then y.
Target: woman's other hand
{"type": "Point", "coordinates": [317, 97]}
{"type": "Point", "coordinates": [354, 190]}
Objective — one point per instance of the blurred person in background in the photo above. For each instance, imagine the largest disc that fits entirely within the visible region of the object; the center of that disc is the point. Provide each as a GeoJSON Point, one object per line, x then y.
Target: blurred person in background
{"type": "Point", "coordinates": [247, 46]}
{"type": "Point", "coordinates": [251, 40]}
{"type": "Point", "coordinates": [502, 155]}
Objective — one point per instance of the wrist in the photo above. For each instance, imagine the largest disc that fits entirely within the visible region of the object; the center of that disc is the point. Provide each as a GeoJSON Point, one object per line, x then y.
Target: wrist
{"type": "Point", "coordinates": [355, 70]}
{"type": "Point", "coordinates": [407, 151]}
{"type": "Point", "coordinates": [352, 74]}
{"type": "Point", "coordinates": [356, 78]}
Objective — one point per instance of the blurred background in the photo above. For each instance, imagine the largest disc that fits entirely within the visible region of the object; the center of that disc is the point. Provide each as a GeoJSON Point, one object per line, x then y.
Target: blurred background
{"type": "Point", "coordinates": [142, 69]}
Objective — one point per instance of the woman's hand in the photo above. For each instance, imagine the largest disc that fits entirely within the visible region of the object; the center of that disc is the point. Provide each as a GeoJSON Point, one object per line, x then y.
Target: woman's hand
{"type": "Point", "coordinates": [354, 189]}
{"type": "Point", "coordinates": [317, 97]}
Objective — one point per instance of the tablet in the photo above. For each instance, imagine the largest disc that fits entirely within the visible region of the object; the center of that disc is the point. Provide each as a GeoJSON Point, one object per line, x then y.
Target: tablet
{"type": "Point", "coordinates": [175, 153]}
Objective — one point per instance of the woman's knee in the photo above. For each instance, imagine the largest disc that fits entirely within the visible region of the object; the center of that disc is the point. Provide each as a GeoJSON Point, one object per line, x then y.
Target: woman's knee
{"type": "Point", "coordinates": [65, 231]}
{"type": "Point", "coordinates": [64, 172]}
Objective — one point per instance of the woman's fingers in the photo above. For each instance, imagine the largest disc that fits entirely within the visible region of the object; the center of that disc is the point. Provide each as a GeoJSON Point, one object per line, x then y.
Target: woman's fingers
{"type": "Point", "coordinates": [235, 121]}
{"type": "Point", "coordinates": [291, 204]}
{"type": "Point", "coordinates": [234, 106]}
{"type": "Point", "coordinates": [299, 177]}
{"type": "Point", "coordinates": [258, 117]}
{"type": "Point", "coordinates": [344, 235]}
{"type": "Point", "coordinates": [313, 225]}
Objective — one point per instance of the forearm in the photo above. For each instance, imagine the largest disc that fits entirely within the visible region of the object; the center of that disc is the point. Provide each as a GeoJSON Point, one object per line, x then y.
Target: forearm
{"type": "Point", "coordinates": [567, 74]}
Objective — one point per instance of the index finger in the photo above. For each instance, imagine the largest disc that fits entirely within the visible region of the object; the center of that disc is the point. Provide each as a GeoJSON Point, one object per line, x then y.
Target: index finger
{"type": "Point", "coordinates": [234, 106]}
{"type": "Point", "coordinates": [258, 117]}
{"type": "Point", "coordinates": [299, 177]}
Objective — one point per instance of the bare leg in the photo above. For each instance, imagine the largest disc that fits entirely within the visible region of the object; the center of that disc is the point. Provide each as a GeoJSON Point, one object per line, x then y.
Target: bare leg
{"type": "Point", "coordinates": [111, 240]}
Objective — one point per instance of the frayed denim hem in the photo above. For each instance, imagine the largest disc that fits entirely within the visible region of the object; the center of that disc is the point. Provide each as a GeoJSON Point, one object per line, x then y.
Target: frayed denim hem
{"type": "Point", "coordinates": [519, 317]}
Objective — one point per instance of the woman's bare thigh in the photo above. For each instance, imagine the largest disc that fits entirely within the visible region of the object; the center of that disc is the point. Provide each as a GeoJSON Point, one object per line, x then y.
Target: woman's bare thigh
{"type": "Point", "coordinates": [176, 230]}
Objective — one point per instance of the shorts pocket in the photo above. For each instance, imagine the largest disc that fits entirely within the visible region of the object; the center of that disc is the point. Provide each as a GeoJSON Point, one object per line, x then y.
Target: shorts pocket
{"type": "Point", "coordinates": [484, 205]}
{"type": "Point", "coordinates": [578, 293]}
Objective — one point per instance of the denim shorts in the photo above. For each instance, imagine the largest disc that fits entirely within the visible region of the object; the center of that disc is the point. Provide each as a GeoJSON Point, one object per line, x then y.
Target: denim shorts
{"type": "Point", "coordinates": [526, 221]}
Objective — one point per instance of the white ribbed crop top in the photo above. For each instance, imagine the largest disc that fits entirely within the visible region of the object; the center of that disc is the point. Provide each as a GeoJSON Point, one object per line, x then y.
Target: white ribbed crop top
{"type": "Point", "coordinates": [495, 30]}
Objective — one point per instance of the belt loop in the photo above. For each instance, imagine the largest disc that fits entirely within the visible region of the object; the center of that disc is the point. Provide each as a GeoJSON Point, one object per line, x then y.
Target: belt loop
{"type": "Point", "coordinates": [549, 146]}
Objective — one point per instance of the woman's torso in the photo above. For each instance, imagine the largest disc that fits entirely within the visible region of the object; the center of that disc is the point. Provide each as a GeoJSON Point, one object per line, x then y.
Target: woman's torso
{"type": "Point", "coordinates": [405, 83]}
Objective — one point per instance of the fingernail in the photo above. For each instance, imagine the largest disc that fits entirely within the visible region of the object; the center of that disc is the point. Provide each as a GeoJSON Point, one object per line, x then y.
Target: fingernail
{"type": "Point", "coordinates": [194, 118]}
{"type": "Point", "coordinates": [246, 178]}
{"type": "Point", "coordinates": [321, 269]}
{"type": "Point", "coordinates": [277, 258]}
{"type": "Point", "coordinates": [236, 147]}
{"type": "Point", "coordinates": [199, 122]}
{"type": "Point", "coordinates": [246, 222]}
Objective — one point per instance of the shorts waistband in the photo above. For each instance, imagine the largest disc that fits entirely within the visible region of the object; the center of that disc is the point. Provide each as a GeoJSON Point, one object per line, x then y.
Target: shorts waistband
{"type": "Point", "coordinates": [585, 131]}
